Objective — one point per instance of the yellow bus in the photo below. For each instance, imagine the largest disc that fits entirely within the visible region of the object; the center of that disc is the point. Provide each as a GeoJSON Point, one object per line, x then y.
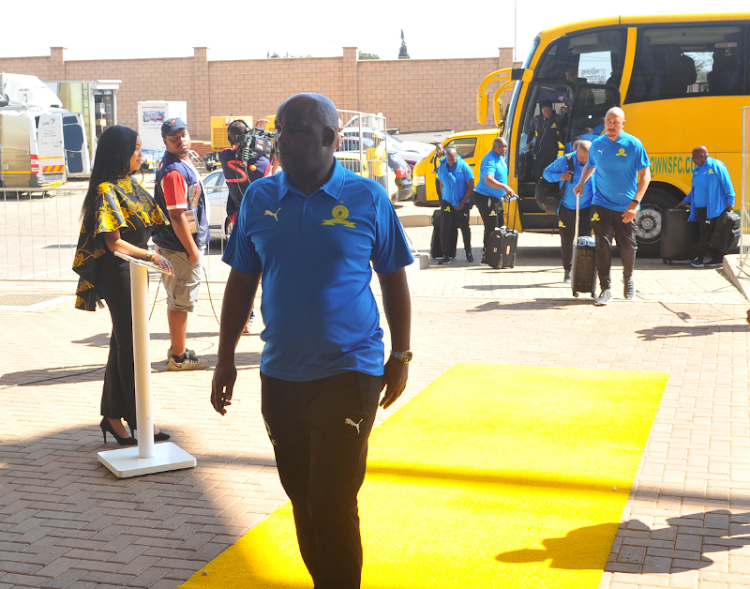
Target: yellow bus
{"type": "Point", "coordinates": [682, 81]}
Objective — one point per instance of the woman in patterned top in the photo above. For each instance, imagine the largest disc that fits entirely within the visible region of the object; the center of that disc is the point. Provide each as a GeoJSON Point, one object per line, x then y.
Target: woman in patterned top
{"type": "Point", "coordinates": [118, 216]}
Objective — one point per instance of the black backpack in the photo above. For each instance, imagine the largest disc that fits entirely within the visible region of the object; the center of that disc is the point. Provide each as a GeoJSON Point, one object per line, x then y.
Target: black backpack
{"type": "Point", "coordinates": [726, 233]}
{"type": "Point", "coordinates": [549, 194]}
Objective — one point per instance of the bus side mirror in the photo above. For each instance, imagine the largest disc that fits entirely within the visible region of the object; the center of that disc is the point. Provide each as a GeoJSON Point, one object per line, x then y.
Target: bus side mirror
{"type": "Point", "coordinates": [4, 100]}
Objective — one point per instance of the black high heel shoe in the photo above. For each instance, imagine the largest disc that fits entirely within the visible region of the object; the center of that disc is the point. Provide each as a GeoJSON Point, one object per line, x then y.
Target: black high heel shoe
{"type": "Point", "coordinates": [160, 437]}
{"type": "Point", "coordinates": [107, 427]}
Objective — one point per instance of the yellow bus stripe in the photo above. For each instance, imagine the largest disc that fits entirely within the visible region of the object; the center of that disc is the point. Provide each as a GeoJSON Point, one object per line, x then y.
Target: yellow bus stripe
{"type": "Point", "coordinates": [627, 71]}
{"type": "Point", "coordinates": [9, 172]}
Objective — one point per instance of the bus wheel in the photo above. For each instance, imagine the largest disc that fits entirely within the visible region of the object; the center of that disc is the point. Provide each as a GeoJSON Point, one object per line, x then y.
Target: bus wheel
{"type": "Point", "coordinates": [648, 221]}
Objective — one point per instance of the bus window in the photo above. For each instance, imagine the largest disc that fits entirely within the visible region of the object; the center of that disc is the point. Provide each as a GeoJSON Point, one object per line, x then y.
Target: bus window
{"type": "Point", "coordinates": [464, 146]}
{"type": "Point", "coordinates": [680, 62]}
{"type": "Point", "coordinates": [588, 66]}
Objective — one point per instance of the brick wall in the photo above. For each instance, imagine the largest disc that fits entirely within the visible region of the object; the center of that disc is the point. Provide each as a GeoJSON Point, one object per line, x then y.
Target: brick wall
{"type": "Point", "coordinates": [414, 95]}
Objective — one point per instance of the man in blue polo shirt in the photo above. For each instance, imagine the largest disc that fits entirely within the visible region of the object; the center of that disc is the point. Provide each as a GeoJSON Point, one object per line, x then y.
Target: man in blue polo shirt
{"type": "Point", "coordinates": [711, 194]}
{"type": "Point", "coordinates": [457, 182]}
{"type": "Point", "coordinates": [558, 171]}
{"type": "Point", "coordinates": [622, 177]}
{"type": "Point", "coordinates": [492, 188]}
{"type": "Point", "coordinates": [315, 232]}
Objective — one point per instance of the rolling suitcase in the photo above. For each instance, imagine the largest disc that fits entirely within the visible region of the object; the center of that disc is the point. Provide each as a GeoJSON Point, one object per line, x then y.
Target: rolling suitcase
{"type": "Point", "coordinates": [583, 270]}
{"type": "Point", "coordinates": [727, 233]}
{"type": "Point", "coordinates": [501, 249]}
{"type": "Point", "coordinates": [436, 249]}
{"type": "Point", "coordinates": [678, 237]}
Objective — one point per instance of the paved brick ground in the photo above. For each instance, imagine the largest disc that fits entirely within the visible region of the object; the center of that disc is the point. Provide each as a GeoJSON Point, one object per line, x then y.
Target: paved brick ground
{"type": "Point", "coordinates": [66, 522]}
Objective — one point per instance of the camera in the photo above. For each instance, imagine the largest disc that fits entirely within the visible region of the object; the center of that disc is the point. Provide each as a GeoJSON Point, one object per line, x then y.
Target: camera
{"type": "Point", "coordinates": [255, 143]}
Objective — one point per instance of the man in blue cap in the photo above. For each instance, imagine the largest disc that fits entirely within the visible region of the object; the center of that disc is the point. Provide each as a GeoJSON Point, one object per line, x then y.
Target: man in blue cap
{"type": "Point", "coordinates": [178, 187]}
{"type": "Point", "coordinates": [711, 194]}
{"type": "Point", "coordinates": [457, 183]}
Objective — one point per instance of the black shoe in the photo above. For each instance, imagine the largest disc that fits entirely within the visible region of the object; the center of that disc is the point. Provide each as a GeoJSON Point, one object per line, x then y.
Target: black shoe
{"type": "Point", "coordinates": [697, 262]}
{"type": "Point", "coordinates": [484, 259]}
{"type": "Point", "coordinates": [160, 437]}
{"type": "Point", "coordinates": [107, 427]}
{"type": "Point", "coordinates": [714, 263]}
{"type": "Point", "coordinates": [469, 257]}
{"type": "Point", "coordinates": [444, 260]}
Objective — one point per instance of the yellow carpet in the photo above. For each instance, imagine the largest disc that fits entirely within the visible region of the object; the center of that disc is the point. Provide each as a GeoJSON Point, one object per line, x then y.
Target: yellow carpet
{"type": "Point", "coordinates": [492, 477]}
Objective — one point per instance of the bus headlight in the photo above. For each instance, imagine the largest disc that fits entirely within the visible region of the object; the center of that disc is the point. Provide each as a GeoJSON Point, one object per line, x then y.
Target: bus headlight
{"type": "Point", "coordinates": [419, 180]}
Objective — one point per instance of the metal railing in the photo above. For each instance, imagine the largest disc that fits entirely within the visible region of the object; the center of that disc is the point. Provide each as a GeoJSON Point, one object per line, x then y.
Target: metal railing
{"type": "Point", "coordinates": [361, 132]}
{"type": "Point", "coordinates": [39, 232]}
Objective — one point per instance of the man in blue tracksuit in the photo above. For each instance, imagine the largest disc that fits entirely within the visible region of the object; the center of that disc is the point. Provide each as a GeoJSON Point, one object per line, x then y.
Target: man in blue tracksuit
{"type": "Point", "coordinates": [711, 194]}
{"type": "Point", "coordinates": [492, 188]}
{"type": "Point", "coordinates": [559, 171]}
{"type": "Point", "coordinates": [622, 178]}
{"type": "Point", "coordinates": [457, 183]}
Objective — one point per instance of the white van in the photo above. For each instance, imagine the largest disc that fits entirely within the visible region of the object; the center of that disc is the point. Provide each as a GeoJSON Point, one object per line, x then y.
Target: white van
{"type": "Point", "coordinates": [32, 152]}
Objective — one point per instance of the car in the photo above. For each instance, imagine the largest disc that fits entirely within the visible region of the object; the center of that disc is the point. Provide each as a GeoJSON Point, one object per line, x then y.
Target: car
{"type": "Point", "coordinates": [399, 182]}
{"type": "Point", "coordinates": [410, 151]}
{"type": "Point", "coordinates": [217, 192]}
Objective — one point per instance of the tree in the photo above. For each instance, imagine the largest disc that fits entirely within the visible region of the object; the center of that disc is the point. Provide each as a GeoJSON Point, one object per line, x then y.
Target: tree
{"type": "Point", "coordinates": [364, 55]}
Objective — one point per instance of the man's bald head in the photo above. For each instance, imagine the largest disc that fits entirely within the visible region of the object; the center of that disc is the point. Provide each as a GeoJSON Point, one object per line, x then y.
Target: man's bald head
{"type": "Point", "coordinates": [614, 123]}
{"type": "Point", "coordinates": [582, 150]}
{"type": "Point", "coordinates": [499, 146]}
{"type": "Point", "coordinates": [700, 155]}
{"type": "Point", "coordinates": [306, 137]}
{"type": "Point", "coordinates": [451, 156]}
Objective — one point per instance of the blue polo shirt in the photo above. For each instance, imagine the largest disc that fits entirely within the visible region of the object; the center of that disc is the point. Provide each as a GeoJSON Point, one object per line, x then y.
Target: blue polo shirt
{"type": "Point", "coordinates": [315, 254]}
{"type": "Point", "coordinates": [617, 165]}
{"type": "Point", "coordinates": [557, 168]}
{"type": "Point", "coordinates": [495, 166]}
{"type": "Point", "coordinates": [454, 179]}
{"type": "Point", "coordinates": [711, 189]}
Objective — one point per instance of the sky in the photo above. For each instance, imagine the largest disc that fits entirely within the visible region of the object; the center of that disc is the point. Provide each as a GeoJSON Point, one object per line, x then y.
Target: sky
{"type": "Point", "coordinates": [237, 30]}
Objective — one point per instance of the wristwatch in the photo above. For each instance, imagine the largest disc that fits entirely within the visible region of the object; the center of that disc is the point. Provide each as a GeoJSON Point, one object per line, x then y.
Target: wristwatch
{"type": "Point", "coordinates": [405, 357]}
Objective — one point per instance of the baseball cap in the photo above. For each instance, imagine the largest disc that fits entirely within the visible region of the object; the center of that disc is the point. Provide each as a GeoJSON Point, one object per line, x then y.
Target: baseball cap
{"type": "Point", "coordinates": [544, 103]}
{"type": "Point", "coordinates": [171, 126]}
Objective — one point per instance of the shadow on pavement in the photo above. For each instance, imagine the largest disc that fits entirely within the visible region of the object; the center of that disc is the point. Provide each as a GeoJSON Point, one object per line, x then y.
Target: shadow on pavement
{"type": "Point", "coordinates": [176, 521]}
{"type": "Point", "coordinates": [646, 550]}
{"type": "Point", "coordinates": [533, 305]}
{"type": "Point", "coordinates": [511, 286]}
{"type": "Point", "coordinates": [85, 373]}
{"type": "Point", "coordinates": [671, 331]}
{"type": "Point", "coordinates": [101, 340]}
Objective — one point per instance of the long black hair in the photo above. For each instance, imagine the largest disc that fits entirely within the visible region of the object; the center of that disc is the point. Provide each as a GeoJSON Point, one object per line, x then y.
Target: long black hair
{"type": "Point", "coordinates": [112, 163]}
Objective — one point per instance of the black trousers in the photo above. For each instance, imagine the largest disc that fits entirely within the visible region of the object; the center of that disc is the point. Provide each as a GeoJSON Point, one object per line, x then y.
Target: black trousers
{"type": "Point", "coordinates": [707, 227]}
{"type": "Point", "coordinates": [460, 218]}
{"type": "Point", "coordinates": [319, 430]}
{"type": "Point", "coordinates": [491, 211]}
{"type": "Point", "coordinates": [118, 394]}
{"type": "Point", "coordinates": [541, 161]}
{"type": "Point", "coordinates": [566, 222]}
{"type": "Point", "coordinates": [607, 223]}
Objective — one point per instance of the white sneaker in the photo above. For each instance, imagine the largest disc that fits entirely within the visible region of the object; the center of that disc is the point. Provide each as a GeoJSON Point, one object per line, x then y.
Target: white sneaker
{"type": "Point", "coordinates": [189, 362]}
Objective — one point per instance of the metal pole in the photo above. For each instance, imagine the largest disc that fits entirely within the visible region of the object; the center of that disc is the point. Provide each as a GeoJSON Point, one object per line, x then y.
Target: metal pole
{"type": "Point", "coordinates": [142, 360]}
{"type": "Point", "coordinates": [515, 30]}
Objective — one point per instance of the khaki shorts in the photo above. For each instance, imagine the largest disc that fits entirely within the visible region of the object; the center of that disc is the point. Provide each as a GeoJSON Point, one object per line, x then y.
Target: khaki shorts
{"type": "Point", "coordinates": [184, 287]}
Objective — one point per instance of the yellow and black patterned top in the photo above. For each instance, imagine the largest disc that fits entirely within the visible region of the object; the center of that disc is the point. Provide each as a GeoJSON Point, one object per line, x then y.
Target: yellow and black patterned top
{"type": "Point", "coordinates": [123, 205]}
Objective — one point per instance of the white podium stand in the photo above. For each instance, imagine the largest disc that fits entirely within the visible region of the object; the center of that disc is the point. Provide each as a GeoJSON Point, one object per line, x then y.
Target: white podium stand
{"type": "Point", "coordinates": [147, 457]}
